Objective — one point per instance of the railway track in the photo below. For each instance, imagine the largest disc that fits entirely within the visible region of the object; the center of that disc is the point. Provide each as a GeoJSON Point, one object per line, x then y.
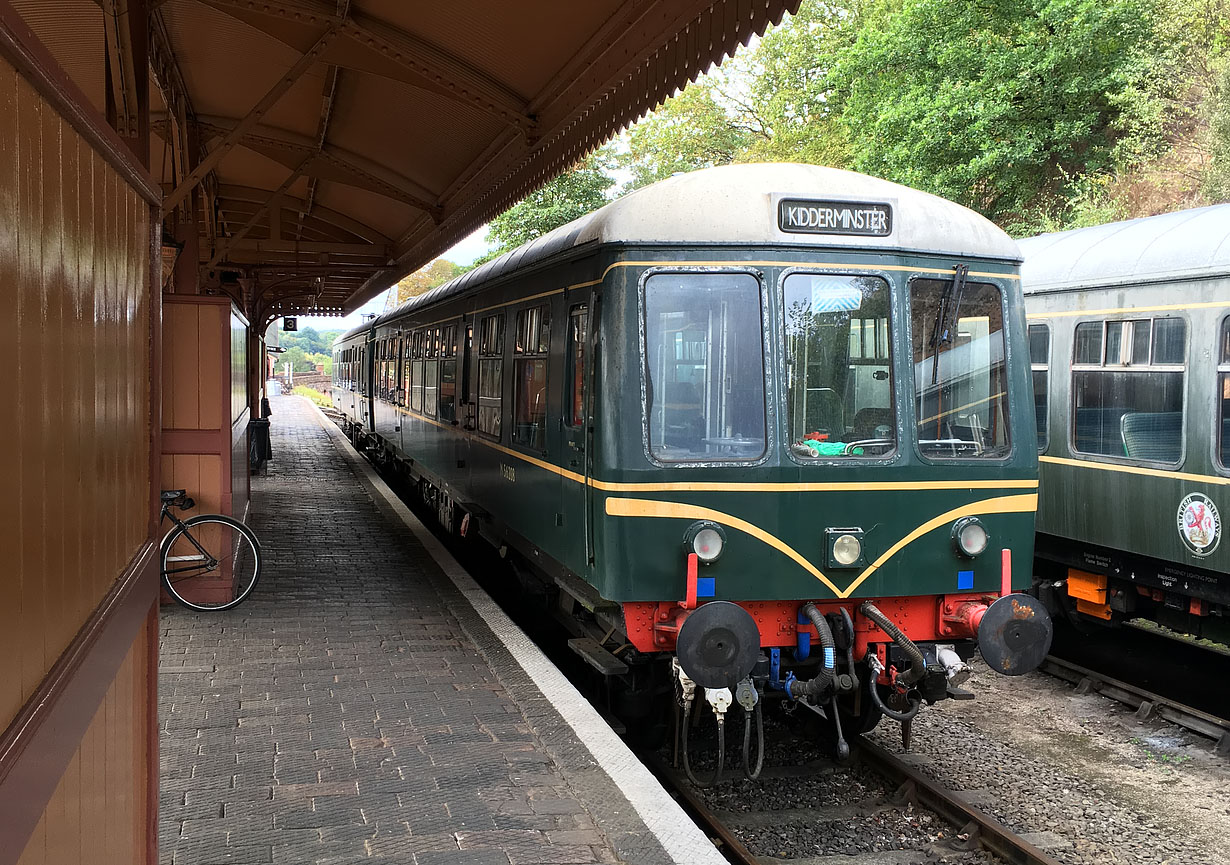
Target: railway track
{"type": "Point", "coordinates": [1146, 703]}
{"type": "Point", "coordinates": [908, 788]}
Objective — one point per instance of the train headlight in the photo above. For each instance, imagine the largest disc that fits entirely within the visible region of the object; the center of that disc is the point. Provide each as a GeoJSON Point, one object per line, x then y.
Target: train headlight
{"type": "Point", "coordinates": [970, 536]}
{"type": "Point", "coordinates": [706, 539]}
{"type": "Point", "coordinates": [845, 548]}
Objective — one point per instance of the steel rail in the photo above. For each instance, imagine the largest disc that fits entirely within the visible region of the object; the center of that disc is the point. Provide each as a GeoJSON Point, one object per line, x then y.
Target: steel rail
{"type": "Point", "coordinates": [731, 847]}
{"type": "Point", "coordinates": [1146, 703]}
{"type": "Point", "coordinates": [981, 828]}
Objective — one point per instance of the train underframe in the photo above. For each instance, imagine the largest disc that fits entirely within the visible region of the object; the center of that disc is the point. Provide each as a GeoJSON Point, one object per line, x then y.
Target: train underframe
{"type": "Point", "coordinates": [851, 662]}
{"type": "Point", "coordinates": [1091, 585]}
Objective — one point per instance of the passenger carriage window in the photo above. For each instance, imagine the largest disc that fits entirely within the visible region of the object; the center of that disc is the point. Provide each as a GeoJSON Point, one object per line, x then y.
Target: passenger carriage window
{"type": "Point", "coordinates": [416, 372]}
{"type": "Point", "coordinates": [960, 380]}
{"type": "Point", "coordinates": [577, 319]}
{"type": "Point", "coordinates": [1128, 401]}
{"type": "Point", "coordinates": [1223, 401]}
{"type": "Point", "coordinates": [448, 374]}
{"type": "Point", "coordinates": [530, 377]}
{"type": "Point", "coordinates": [1039, 362]}
{"type": "Point", "coordinates": [491, 375]}
{"type": "Point", "coordinates": [704, 361]}
{"type": "Point", "coordinates": [407, 360]}
{"type": "Point", "coordinates": [431, 373]}
{"type": "Point", "coordinates": [839, 393]}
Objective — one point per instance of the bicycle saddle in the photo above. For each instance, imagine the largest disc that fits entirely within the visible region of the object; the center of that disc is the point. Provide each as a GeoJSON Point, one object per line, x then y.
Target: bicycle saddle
{"type": "Point", "coordinates": [172, 495]}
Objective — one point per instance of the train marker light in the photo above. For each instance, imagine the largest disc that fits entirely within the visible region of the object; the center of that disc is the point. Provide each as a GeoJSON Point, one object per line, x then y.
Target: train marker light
{"type": "Point", "coordinates": [970, 537]}
{"type": "Point", "coordinates": [706, 539]}
{"type": "Point", "coordinates": [844, 547]}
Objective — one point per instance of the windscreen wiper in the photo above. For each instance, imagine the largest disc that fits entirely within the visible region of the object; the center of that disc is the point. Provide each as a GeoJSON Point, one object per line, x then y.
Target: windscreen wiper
{"type": "Point", "coordinates": [946, 316]}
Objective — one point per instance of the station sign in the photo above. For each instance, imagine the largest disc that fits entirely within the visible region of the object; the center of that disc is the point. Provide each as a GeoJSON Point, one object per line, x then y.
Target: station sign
{"type": "Point", "coordinates": [863, 218]}
{"type": "Point", "coordinates": [290, 323]}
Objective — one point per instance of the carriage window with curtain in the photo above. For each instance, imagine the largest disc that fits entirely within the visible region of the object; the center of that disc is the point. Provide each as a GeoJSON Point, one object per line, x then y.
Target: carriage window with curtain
{"type": "Point", "coordinates": [533, 341]}
{"type": "Point", "coordinates": [1039, 363]}
{"type": "Point", "coordinates": [1127, 388]}
{"type": "Point", "coordinates": [839, 394]}
{"type": "Point", "coordinates": [960, 379]}
{"type": "Point", "coordinates": [704, 363]}
{"type": "Point", "coordinates": [491, 375]}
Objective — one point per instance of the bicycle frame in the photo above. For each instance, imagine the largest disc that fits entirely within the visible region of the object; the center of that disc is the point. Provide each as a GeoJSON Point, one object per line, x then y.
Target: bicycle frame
{"type": "Point", "coordinates": [207, 560]}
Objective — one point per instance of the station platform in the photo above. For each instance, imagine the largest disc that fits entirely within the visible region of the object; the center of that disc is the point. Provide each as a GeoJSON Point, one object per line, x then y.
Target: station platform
{"type": "Point", "coordinates": [369, 703]}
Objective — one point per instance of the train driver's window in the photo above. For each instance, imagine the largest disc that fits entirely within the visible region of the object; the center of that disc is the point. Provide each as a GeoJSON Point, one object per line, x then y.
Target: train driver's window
{"type": "Point", "coordinates": [1127, 389]}
{"type": "Point", "coordinates": [1223, 396]}
{"type": "Point", "coordinates": [533, 342]}
{"type": "Point", "coordinates": [960, 381]}
{"type": "Point", "coordinates": [491, 375]}
{"type": "Point", "coordinates": [574, 414]}
{"type": "Point", "coordinates": [704, 363]}
{"type": "Point", "coordinates": [839, 392]}
{"type": "Point", "coordinates": [1039, 362]}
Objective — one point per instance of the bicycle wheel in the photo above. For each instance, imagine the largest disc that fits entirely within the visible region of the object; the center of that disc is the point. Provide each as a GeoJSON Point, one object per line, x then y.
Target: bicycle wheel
{"type": "Point", "coordinates": [211, 562]}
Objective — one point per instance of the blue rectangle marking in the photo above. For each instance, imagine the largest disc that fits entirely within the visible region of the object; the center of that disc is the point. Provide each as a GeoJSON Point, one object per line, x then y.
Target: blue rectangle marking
{"type": "Point", "coordinates": [965, 580]}
{"type": "Point", "coordinates": [706, 587]}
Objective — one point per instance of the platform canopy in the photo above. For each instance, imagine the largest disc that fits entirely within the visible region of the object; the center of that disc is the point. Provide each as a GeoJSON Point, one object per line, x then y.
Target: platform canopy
{"type": "Point", "coordinates": [312, 152]}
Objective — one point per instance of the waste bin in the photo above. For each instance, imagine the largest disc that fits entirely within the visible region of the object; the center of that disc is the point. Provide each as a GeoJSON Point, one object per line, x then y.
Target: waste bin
{"type": "Point", "coordinates": [259, 448]}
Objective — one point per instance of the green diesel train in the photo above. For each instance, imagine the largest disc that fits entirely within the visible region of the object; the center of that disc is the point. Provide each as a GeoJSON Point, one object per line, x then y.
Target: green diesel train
{"type": "Point", "coordinates": [1129, 329]}
{"type": "Point", "coordinates": [771, 422]}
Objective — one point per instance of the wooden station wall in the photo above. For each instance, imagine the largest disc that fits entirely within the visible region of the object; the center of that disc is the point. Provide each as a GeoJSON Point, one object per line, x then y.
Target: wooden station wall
{"type": "Point", "coordinates": [78, 524]}
{"type": "Point", "coordinates": [205, 403]}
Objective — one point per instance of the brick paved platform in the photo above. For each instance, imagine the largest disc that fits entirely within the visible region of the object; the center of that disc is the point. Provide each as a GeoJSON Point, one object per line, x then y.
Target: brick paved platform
{"type": "Point", "coordinates": [357, 708]}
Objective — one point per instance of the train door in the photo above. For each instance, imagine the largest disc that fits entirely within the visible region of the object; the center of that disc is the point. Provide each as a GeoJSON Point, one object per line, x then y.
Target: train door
{"type": "Point", "coordinates": [575, 454]}
{"type": "Point", "coordinates": [464, 410]}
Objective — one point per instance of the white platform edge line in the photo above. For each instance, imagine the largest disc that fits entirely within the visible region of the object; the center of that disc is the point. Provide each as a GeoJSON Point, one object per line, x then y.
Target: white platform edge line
{"type": "Point", "coordinates": [678, 834]}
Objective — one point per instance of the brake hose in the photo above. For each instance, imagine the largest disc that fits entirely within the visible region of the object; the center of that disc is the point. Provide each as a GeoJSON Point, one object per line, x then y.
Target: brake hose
{"type": "Point", "coordinates": [753, 774]}
{"type": "Point", "coordinates": [721, 757]}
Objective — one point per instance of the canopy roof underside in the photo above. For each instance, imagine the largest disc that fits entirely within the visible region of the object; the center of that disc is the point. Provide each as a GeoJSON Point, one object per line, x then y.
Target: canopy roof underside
{"type": "Point", "coordinates": [322, 149]}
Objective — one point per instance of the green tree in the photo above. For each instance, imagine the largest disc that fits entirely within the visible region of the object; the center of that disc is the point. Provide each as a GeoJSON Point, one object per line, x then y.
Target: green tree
{"type": "Point", "coordinates": [425, 279]}
{"type": "Point", "coordinates": [790, 86]}
{"type": "Point", "coordinates": [993, 103]}
{"type": "Point", "coordinates": [569, 196]}
{"type": "Point", "coordinates": [1216, 181]}
{"type": "Point", "coordinates": [694, 129]}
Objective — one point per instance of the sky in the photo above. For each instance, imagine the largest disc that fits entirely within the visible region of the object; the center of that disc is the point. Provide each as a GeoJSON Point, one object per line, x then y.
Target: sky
{"type": "Point", "coordinates": [465, 252]}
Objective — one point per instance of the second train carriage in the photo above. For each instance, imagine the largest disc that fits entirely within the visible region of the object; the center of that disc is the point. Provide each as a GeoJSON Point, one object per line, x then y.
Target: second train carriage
{"type": "Point", "coordinates": [732, 414]}
{"type": "Point", "coordinates": [1129, 328]}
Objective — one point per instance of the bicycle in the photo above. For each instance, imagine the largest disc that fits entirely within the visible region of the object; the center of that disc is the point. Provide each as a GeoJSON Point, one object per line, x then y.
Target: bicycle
{"type": "Point", "coordinates": [196, 577]}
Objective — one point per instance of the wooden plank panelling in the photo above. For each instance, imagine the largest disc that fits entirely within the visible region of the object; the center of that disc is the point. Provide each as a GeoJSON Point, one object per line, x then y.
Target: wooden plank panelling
{"type": "Point", "coordinates": [76, 492]}
{"type": "Point", "coordinates": [94, 813]}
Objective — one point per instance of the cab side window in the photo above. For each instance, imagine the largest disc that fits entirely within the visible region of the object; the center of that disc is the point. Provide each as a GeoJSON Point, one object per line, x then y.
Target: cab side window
{"type": "Point", "coordinates": [1039, 362]}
